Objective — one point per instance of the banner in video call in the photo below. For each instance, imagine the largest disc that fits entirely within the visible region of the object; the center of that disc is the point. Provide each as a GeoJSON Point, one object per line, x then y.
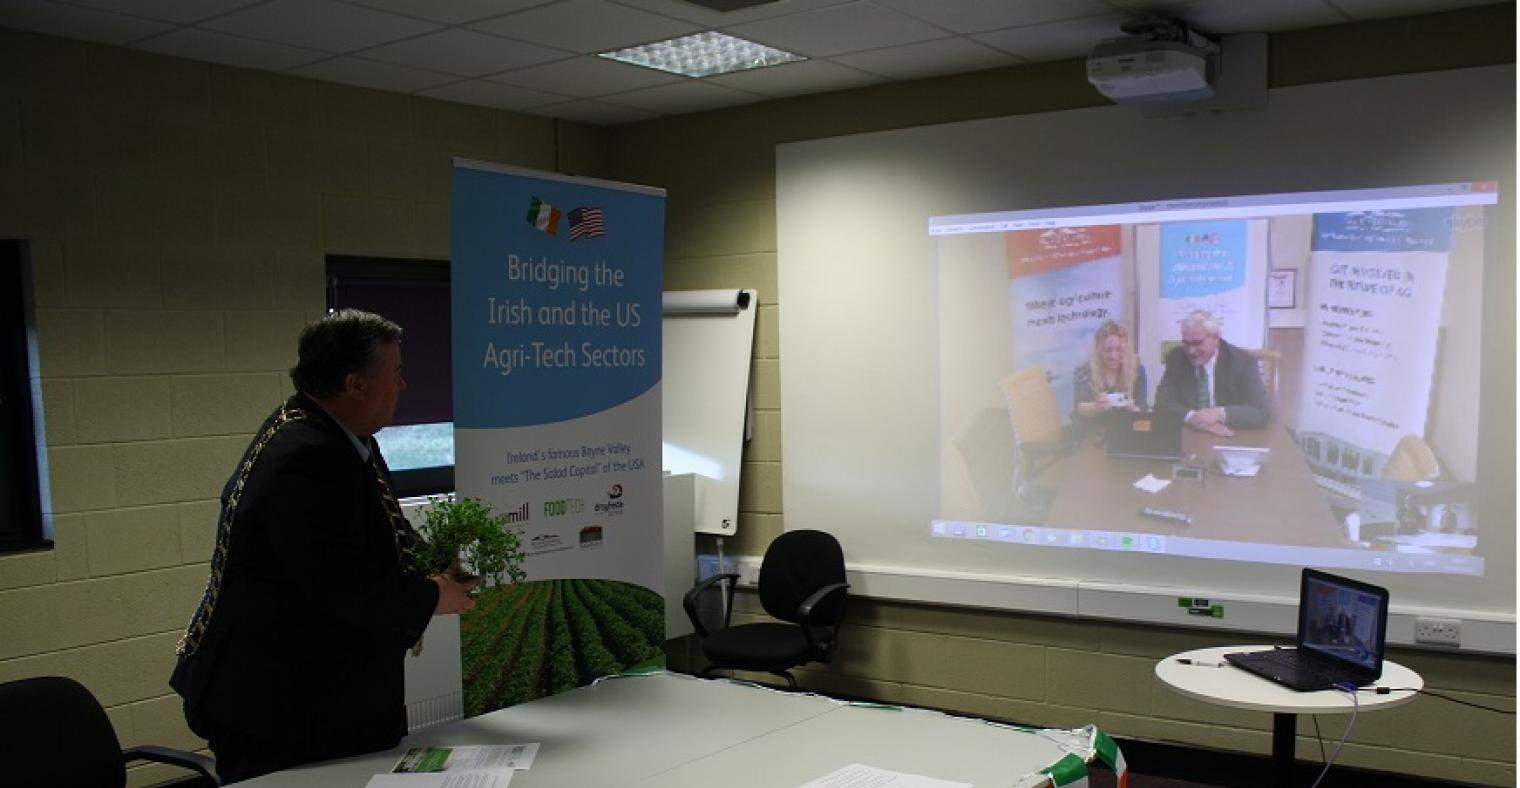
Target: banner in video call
{"type": "Point", "coordinates": [556, 287]}
{"type": "Point", "coordinates": [1063, 283]}
{"type": "Point", "coordinates": [1376, 283]}
{"type": "Point", "coordinates": [1207, 265]}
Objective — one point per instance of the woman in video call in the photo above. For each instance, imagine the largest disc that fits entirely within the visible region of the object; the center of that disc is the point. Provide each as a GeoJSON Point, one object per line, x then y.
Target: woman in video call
{"type": "Point", "coordinates": [1112, 378]}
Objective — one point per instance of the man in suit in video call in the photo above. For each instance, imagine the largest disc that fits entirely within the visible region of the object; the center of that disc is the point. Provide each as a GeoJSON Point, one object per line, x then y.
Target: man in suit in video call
{"type": "Point", "coordinates": [1213, 385]}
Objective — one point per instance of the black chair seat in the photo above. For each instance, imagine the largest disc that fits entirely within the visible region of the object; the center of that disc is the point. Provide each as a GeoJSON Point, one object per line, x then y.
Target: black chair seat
{"type": "Point", "coordinates": [802, 585]}
{"type": "Point", "coordinates": [763, 646]}
{"type": "Point", "coordinates": [60, 735]}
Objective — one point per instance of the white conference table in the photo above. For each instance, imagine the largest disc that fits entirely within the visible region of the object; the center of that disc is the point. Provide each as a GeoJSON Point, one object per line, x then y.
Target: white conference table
{"type": "Point", "coordinates": [676, 731]}
{"type": "Point", "coordinates": [1233, 687]}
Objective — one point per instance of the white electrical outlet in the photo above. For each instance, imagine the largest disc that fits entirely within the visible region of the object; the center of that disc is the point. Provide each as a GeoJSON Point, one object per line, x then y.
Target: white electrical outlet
{"type": "Point", "coordinates": [1438, 631]}
{"type": "Point", "coordinates": [748, 569]}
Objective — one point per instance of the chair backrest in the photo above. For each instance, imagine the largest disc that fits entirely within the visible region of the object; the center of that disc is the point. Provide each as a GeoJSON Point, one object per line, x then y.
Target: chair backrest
{"type": "Point", "coordinates": [58, 735]}
{"type": "Point", "coordinates": [1266, 363]}
{"type": "Point", "coordinates": [1032, 406]}
{"type": "Point", "coordinates": [1412, 460]}
{"type": "Point", "coordinates": [796, 564]}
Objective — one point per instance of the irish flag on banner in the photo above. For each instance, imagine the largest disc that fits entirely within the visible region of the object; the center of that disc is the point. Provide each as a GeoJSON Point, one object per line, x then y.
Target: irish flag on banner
{"type": "Point", "coordinates": [543, 216]}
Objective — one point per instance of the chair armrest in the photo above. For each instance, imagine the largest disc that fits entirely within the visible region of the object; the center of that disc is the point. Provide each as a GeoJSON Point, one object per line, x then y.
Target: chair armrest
{"type": "Point", "coordinates": [690, 600]}
{"type": "Point", "coordinates": [188, 760]}
{"type": "Point", "coordinates": [805, 612]}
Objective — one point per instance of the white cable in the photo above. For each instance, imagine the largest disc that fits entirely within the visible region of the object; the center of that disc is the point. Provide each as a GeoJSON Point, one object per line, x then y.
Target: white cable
{"type": "Point", "coordinates": [1355, 707]}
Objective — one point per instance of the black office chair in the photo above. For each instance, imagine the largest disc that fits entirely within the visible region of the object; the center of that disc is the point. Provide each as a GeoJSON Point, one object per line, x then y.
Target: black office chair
{"type": "Point", "coordinates": [801, 582]}
{"type": "Point", "coordinates": [59, 735]}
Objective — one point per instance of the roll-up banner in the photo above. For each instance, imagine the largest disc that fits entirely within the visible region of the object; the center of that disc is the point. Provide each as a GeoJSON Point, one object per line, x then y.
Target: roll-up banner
{"type": "Point", "coordinates": [1063, 284]}
{"type": "Point", "coordinates": [1376, 283]}
{"type": "Point", "coordinates": [556, 352]}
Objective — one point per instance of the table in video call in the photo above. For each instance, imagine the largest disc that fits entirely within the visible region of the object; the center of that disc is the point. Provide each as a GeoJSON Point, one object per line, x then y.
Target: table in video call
{"type": "Point", "coordinates": [1280, 504]}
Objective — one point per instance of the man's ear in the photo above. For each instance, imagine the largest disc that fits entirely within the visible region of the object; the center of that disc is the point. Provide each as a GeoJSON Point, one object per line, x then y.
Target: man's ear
{"type": "Point", "coordinates": [353, 383]}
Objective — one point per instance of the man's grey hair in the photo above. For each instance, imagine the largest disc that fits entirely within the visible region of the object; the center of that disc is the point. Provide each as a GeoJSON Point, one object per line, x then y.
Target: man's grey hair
{"type": "Point", "coordinates": [1203, 319]}
{"type": "Point", "coordinates": [337, 344]}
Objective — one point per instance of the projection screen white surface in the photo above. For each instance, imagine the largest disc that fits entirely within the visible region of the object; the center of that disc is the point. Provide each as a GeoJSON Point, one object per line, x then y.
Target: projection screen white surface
{"type": "Point", "coordinates": [859, 349]}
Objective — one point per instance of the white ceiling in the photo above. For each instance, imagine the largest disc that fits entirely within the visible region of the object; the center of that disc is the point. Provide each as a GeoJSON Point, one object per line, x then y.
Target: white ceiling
{"type": "Point", "coordinates": [537, 56]}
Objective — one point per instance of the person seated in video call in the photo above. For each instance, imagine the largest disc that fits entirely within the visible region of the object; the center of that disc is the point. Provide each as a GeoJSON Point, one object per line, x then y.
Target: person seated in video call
{"type": "Point", "coordinates": [1112, 378]}
{"type": "Point", "coordinates": [1213, 385]}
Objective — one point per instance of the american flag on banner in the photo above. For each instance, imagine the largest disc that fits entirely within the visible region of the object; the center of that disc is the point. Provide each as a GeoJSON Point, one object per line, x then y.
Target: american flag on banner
{"type": "Point", "coordinates": [543, 216]}
{"type": "Point", "coordinates": [586, 223]}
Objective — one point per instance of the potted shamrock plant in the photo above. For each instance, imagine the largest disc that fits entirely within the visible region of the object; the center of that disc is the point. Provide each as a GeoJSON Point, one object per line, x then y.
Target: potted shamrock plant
{"type": "Point", "coordinates": [465, 535]}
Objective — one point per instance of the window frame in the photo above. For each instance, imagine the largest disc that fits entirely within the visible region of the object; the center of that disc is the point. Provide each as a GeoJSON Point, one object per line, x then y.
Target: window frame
{"type": "Point", "coordinates": [412, 482]}
{"type": "Point", "coordinates": [22, 442]}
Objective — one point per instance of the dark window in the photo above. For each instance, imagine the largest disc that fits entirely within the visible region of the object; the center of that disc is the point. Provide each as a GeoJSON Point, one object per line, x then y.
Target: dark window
{"type": "Point", "coordinates": [22, 521]}
{"type": "Point", "coordinates": [419, 444]}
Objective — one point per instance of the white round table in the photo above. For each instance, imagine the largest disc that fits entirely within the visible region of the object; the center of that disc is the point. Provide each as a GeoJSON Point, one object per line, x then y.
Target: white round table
{"type": "Point", "coordinates": [1212, 680]}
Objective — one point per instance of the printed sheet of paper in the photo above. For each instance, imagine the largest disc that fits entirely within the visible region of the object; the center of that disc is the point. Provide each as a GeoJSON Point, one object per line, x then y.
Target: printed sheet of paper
{"type": "Point", "coordinates": [499, 779]}
{"type": "Point", "coordinates": [861, 776]}
{"type": "Point", "coordinates": [1151, 484]}
{"type": "Point", "coordinates": [457, 767]}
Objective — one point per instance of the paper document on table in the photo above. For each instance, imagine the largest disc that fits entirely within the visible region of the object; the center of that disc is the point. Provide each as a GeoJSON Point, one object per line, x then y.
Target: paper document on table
{"type": "Point", "coordinates": [860, 776]}
{"type": "Point", "coordinates": [1151, 484]}
{"type": "Point", "coordinates": [499, 779]}
{"type": "Point", "coordinates": [469, 758]}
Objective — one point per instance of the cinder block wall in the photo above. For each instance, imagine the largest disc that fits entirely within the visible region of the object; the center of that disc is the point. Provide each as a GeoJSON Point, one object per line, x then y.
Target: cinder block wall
{"type": "Point", "coordinates": [719, 168]}
{"type": "Point", "coordinates": [178, 214]}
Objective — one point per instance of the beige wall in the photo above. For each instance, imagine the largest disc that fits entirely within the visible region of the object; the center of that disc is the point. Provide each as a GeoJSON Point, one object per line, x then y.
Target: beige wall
{"type": "Point", "coordinates": [178, 215]}
{"type": "Point", "coordinates": [719, 168]}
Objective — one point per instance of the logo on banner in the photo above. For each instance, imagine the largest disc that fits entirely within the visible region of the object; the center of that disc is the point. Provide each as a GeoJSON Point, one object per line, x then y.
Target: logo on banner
{"type": "Point", "coordinates": [613, 506]}
{"type": "Point", "coordinates": [585, 221]}
{"type": "Point", "coordinates": [546, 543]}
{"type": "Point", "coordinates": [1037, 251]}
{"type": "Point", "coordinates": [564, 506]}
{"type": "Point", "coordinates": [518, 515]}
{"type": "Point", "coordinates": [591, 537]}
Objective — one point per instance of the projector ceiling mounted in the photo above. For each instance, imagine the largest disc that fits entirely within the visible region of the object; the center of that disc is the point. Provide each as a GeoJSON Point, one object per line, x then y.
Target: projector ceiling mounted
{"type": "Point", "coordinates": [1158, 60]}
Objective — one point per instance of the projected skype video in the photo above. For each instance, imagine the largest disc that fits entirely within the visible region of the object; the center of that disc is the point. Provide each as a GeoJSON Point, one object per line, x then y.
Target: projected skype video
{"type": "Point", "coordinates": [1288, 378]}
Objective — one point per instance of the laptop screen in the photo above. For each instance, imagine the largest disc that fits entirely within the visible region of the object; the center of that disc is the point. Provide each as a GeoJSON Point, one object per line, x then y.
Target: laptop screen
{"type": "Point", "coordinates": [1342, 619]}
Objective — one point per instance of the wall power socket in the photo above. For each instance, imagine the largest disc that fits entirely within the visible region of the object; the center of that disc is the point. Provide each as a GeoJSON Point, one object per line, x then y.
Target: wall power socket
{"type": "Point", "coordinates": [1438, 631]}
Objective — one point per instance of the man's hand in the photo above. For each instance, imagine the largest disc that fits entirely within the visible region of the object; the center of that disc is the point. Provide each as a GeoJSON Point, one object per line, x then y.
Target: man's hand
{"type": "Point", "coordinates": [1207, 419]}
{"type": "Point", "coordinates": [453, 596]}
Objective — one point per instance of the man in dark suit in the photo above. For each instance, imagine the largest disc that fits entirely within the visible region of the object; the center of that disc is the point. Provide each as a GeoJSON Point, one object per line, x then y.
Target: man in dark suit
{"type": "Point", "coordinates": [1213, 385]}
{"type": "Point", "coordinates": [295, 652]}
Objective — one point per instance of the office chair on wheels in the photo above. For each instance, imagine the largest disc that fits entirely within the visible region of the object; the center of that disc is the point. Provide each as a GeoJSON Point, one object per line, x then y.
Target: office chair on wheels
{"type": "Point", "coordinates": [60, 735]}
{"type": "Point", "coordinates": [802, 584]}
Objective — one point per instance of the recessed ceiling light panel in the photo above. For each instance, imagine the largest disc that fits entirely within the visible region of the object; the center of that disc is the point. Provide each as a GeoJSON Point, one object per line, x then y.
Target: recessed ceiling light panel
{"type": "Point", "coordinates": [702, 55]}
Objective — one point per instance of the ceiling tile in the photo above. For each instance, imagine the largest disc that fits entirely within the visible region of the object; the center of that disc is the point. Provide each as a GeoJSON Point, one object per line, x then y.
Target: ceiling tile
{"type": "Point", "coordinates": [836, 30]}
{"type": "Point", "coordinates": [1056, 40]}
{"type": "Point", "coordinates": [451, 12]}
{"type": "Point", "coordinates": [795, 79]}
{"type": "Point", "coordinates": [215, 47]}
{"type": "Point", "coordinates": [181, 11]}
{"type": "Point", "coordinates": [928, 59]}
{"type": "Point", "coordinates": [975, 16]}
{"type": "Point", "coordinates": [682, 97]}
{"type": "Point", "coordinates": [708, 18]}
{"type": "Point", "coordinates": [319, 24]}
{"type": "Point", "coordinates": [369, 74]}
{"type": "Point", "coordinates": [586, 77]}
{"type": "Point", "coordinates": [1244, 16]}
{"type": "Point", "coordinates": [73, 22]}
{"type": "Point", "coordinates": [593, 112]}
{"type": "Point", "coordinates": [587, 26]}
{"type": "Point", "coordinates": [463, 52]}
{"type": "Point", "coordinates": [485, 93]}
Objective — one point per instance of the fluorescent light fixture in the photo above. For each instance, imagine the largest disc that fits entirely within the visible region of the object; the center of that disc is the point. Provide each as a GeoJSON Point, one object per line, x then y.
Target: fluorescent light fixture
{"type": "Point", "coordinates": [702, 55]}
